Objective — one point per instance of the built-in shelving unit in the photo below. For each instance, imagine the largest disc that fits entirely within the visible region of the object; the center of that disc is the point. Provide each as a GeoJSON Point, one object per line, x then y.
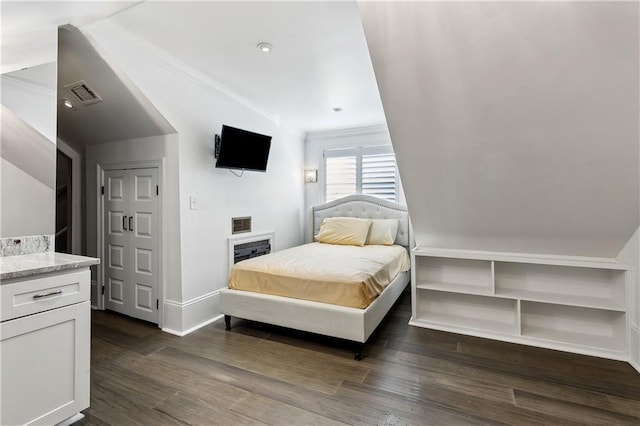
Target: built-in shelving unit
{"type": "Point", "coordinates": [577, 304]}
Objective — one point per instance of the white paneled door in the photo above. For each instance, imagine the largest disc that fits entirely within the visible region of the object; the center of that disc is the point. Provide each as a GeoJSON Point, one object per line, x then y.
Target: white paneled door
{"type": "Point", "coordinates": [132, 240]}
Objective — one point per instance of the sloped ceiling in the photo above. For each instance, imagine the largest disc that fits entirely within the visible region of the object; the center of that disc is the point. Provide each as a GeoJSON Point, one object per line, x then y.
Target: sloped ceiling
{"type": "Point", "coordinates": [515, 124]}
{"type": "Point", "coordinates": [124, 113]}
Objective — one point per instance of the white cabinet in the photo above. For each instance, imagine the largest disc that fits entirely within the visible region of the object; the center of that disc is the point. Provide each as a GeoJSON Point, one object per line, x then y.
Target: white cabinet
{"type": "Point", "coordinates": [575, 304]}
{"type": "Point", "coordinates": [45, 348]}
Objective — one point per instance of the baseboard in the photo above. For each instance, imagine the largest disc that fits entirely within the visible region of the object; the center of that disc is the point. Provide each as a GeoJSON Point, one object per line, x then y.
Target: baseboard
{"type": "Point", "coordinates": [634, 350]}
{"type": "Point", "coordinates": [182, 318]}
{"type": "Point", "coordinates": [71, 420]}
{"type": "Point", "coordinates": [191, 330]}
{"type": "Point", "coordinates": [172, 317]}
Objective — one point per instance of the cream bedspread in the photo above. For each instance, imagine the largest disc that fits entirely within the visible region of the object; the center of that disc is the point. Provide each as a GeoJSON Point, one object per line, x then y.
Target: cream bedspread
{"type": "Point", "coordinates": [341, 275]}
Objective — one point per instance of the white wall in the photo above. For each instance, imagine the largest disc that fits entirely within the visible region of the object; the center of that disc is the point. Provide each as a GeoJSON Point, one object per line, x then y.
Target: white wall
{"type": "Point", "coordinates": [31, 94]}
{"type": "Point", "coordinates": [28, 174]}
{"type": "Point", "coordinates": [24, 215]}
{"type": "Point", "coordinates": [515, 124]}
{"type": "Point", "coordinates": [155, 148]}
{"type": "Point", "coordinates": [28, 152]}
{"type": "Point", "coordinates": [316, 143]}
{"type": "Point", "coordinates": [197, 109]}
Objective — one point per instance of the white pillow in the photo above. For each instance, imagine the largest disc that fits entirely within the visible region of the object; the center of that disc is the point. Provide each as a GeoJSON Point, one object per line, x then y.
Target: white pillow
{"type": "Point", "coordinates": [344, 230]}
{"type": "Point", "coordinates": [383, 232]}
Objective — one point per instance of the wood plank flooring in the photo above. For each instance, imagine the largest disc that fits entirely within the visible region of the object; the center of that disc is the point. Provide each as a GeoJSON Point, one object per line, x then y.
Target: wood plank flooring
{"type": "Point", "coordinates": [259, 374]}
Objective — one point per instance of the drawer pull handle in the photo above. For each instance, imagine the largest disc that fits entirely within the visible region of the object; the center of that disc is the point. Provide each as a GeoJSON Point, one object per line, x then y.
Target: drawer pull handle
{"type": "Point", "coordinates": [53, 293]}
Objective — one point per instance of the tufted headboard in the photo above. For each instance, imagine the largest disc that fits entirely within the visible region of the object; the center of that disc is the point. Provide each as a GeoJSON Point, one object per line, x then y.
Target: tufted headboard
{"type": "Point", "coordinates": [366, 207]}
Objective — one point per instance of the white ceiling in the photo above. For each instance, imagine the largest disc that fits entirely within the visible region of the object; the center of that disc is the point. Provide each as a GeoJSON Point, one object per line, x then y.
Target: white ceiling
{"type": "Point", "coordinates": [319, 60]}
{"type": "Point", "coordinates": [30, 28]}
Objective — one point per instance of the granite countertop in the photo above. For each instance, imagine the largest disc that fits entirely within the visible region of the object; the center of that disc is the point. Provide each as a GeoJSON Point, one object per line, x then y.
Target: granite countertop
{"type": "Point", "coordinates": [25, 265]}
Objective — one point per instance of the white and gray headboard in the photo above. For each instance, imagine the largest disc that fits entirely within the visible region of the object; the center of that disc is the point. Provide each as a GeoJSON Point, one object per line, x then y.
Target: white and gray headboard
{"type": "Point", "coordinates": [366, 207]}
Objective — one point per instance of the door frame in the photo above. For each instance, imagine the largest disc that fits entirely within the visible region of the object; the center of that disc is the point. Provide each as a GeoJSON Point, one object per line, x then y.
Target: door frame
{"type": "Point", "coordinates": [159, 165]}
{"type": "Point", "coordinates": [76, 195]}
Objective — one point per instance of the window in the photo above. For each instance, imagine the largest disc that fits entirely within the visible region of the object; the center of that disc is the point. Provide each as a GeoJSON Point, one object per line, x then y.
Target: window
{"type": "Point", "coordinates": [369, 170]}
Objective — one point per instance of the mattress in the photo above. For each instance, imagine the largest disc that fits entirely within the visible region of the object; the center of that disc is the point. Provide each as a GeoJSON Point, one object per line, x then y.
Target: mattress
{"type": "Point", "coordinates": [337, 274]}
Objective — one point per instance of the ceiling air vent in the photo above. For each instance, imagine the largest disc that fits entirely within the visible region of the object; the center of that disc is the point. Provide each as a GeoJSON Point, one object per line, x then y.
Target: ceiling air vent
{"type": "Point", "coordinates": [83, 93]}
{"type": "Point", "coordinates": [240, 224]}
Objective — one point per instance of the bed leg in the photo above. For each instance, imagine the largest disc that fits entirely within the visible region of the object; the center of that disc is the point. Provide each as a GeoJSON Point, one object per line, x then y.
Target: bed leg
{"type": "Point", "coordinates": [358, 351]}
{"type": "Point", "coordinates": [227, 322]}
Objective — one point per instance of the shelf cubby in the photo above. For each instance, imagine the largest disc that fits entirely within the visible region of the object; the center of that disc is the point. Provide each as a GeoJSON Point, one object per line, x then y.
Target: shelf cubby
{"type": "Point", "coordinates": [468, 311]}
{"type": "Point", "coordinates": [600, 329]}
{"type": "Point", "coordinates": [568, 285]}
{"type": "Point", "coordinates": [454, 275]}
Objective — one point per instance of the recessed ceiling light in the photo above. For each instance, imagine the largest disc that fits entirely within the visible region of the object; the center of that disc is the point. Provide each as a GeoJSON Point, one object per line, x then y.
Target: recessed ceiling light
{"type": "Point", "coordinates": [336, 109]}
{"type": "Point", "coordinates": [264, 47]}
{"type": "Point", "coordinates": [67, 103]}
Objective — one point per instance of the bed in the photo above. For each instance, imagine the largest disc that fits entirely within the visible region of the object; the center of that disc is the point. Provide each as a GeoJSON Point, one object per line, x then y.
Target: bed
{"type": "Point", "coordinates": [345, 322]}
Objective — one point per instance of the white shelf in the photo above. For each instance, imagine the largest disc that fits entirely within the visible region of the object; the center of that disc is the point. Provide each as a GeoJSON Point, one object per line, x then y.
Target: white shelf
{"type": "Point", "coordinates": [569, 300]}
{"type": "Point", "coordinates": [540, 259]}
{"type": "Point", "coordinates": [598, 345]}
{"type": "Point", "coordinates": [485, 329]}
{"type": "Point", "coordinates": [570, 303]}
{"type": "Point", "coordinates": [454, 288]}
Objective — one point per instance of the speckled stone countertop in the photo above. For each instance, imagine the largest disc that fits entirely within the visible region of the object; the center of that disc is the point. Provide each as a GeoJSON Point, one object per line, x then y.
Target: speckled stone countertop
{"type": "Point", "coordinates": [25, 265]}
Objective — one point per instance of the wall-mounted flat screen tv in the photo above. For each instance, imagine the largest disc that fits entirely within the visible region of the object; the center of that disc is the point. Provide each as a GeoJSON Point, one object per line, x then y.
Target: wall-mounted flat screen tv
{"type": "Point", "coordinates": [241, 149]}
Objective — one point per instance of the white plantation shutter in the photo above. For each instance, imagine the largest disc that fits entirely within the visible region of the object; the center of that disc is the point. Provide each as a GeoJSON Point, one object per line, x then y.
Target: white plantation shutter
{"type": "Point", "coordinates": [341, 177]}
{"type": "Point", "coordinates": [370, 170]}
{"type": "Point", "coordinates": [379, 176]}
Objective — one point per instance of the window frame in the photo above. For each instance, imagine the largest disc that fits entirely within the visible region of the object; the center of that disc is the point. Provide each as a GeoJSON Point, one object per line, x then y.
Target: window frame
{"type": "Point", "coordinates": [359, 152]}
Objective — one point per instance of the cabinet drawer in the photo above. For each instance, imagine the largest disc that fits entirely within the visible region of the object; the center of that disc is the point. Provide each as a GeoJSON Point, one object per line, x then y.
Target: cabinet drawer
{"type": "Point", "coordinates": [29, 296]}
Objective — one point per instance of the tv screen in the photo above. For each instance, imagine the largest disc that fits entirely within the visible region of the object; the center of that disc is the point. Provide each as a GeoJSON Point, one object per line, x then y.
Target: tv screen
{"type": "Point", "coordinates": [241, 149]}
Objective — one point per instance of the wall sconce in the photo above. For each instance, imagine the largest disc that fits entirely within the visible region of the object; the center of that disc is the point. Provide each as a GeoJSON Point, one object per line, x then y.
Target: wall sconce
{"type": "Point", "coordinates": [311, 176]}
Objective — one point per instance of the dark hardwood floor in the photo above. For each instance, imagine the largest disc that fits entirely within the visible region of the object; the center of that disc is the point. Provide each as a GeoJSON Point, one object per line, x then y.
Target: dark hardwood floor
{"type": "Point", "coordinates": [259, 374]}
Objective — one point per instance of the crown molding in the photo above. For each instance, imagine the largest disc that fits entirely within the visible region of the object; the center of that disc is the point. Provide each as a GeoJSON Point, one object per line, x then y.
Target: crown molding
{"type": "Point", "coordinates": [346, 133]}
